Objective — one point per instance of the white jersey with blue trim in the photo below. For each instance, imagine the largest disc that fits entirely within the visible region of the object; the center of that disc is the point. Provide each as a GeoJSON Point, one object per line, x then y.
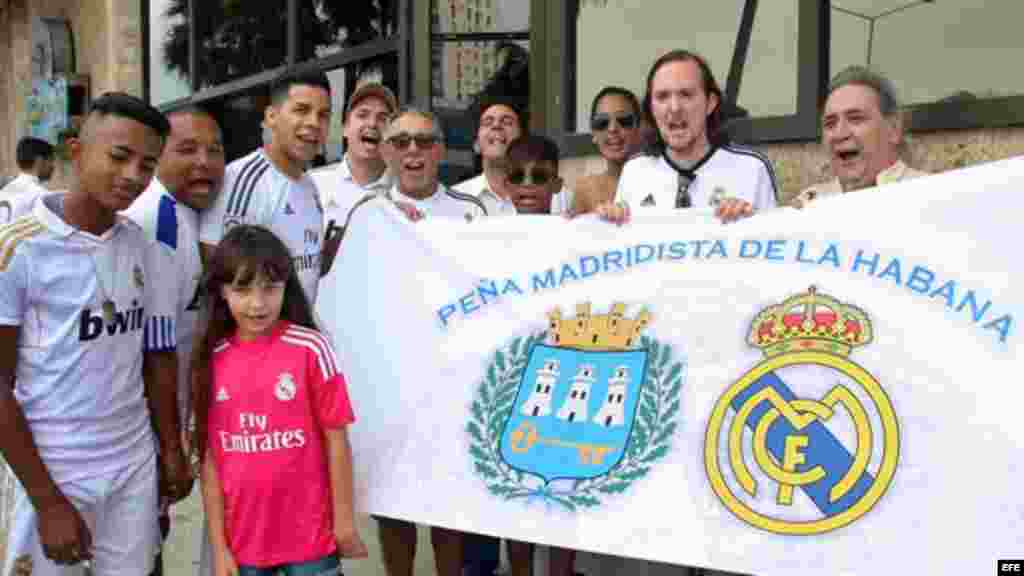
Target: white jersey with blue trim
{"type": "Point", "coordinates": [17, 198]}
{"type": "Point", "coordinates": [444, 203]}
{"type": "Point", "coordinates": [175, 225]}
{"type": "Point", "coordinates": [79, 372]}
{"type": "Point", "coordinates": [724, 172]}
{"type": "Point", "coordinates": [256, 192]}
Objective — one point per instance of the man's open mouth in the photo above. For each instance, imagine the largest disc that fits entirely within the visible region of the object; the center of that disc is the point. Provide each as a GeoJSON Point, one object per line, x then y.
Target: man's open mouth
{"type": "Point", "coordinates": [201, 183]}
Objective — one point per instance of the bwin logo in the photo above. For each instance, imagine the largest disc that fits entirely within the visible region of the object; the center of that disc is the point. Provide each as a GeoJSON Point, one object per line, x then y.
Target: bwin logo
{"type": "Point", "coordinates": [92, 326]}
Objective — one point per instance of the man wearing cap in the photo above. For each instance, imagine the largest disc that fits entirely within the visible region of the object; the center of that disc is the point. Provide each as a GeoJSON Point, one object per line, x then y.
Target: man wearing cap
{"type": "Point", "coordinates": [862, 131]}
{"type": "Point", "coordinates": [362, 171]}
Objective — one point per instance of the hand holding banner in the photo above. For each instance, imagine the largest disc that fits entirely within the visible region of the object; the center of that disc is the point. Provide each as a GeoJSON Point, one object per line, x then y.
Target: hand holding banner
{"type": "Point", "coordinates": [803, 392]}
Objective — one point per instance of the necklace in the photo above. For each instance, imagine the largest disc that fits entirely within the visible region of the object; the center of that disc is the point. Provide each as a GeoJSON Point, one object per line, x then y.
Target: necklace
{"type": "Point", "coordinates": [108, 306]}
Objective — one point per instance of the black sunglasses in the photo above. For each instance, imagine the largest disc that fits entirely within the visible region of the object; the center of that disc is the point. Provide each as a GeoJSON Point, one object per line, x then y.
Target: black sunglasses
{"type": "Point", "coordinates": [403, 140]}
{"type": "Point", "coordinates": [601, 122]}
{"type": "Point", "coordinates": [537, 177]}
{"type": "Point", "coordinates": [683, 198]}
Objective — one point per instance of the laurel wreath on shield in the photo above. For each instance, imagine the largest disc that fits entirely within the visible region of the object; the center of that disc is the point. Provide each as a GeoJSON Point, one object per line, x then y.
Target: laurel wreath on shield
{"type": "Point", "coordinates": [649, 441]}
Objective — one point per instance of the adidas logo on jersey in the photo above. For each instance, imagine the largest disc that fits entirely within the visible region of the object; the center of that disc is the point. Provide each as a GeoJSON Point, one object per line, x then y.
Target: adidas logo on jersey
{"type": "Point", "coordinates": [288, 209]}
{"type": "Point", "coordinates": [649, 201]}
{"type": "Point", "coordinates": [306, 262]}
{"type": "Point", "coordinates": [91, 325]}
{"type": "Point", "coordinates": [222, 395]}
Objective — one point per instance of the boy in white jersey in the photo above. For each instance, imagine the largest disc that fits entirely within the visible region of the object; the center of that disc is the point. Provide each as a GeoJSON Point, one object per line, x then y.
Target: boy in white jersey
{"type": "Point", "coordinates": [87, 359]}
{"type": "Point", "coordinates": [691, 166]}
{"type": "Point", "coordinates": [270, 187]}
{"type": "Point", "coordinates": [188, 178]}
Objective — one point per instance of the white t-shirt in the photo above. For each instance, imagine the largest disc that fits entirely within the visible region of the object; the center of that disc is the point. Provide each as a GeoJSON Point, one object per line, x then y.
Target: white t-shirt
{"type": "Point", "coordinates": [561, 202]}
{"type": "Point", "coordinates": [725, 172]}
{"type": "Point", "coordinates": [444, 203]}
{"type": "Point", "coordinates": [79, 374]}
{"type": "Point", "coordinates": [15, 206]}
{"type": "Point", "coordinates": [176, 226]}
{"type": "Point", "coordinates": [496, 206]}
{"type": "Point", "coordinates": [18, 196]}
{"type": "Point", "coordinates": [339, 192]}
{"type": "Point", "coordinates": [479, 188]}
{"type": "Point", "coordinates": [21, 184]}
{"type": "Point", "coordinates": [256, 192]}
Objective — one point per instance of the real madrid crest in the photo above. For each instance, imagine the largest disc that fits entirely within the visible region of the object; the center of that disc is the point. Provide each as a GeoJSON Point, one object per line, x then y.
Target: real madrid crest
{"type": "Point", "coordinates": [140, 280]}
{"type": "Point", "coordinates": [807, 440]}
{"type": "Point", "coordinates": [718, 195]}
{"type": "Point", "coordinates": [285, 388]}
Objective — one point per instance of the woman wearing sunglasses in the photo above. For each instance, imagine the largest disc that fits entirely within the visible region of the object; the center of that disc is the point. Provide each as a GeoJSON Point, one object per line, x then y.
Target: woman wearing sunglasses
{"type": "Point", "coordinates": [615, 125]}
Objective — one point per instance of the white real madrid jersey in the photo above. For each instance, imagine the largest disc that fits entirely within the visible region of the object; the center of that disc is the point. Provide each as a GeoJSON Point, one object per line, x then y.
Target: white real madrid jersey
{"type": "Point", "coordinates": [176, 225]}
{"type": "Point", "coordinates": [444, 203]}
{"type": "Point", "coordinates": [256, 192]}
{"type": "Point", "coordinates": [339, 192]}
{"type": "Point", "coordinates": [479, 188]}
{"type": "Point", "coordinates": [724, 172]}
{"type": "Point", "coordinates": [79, 372]}
{"type": "Point", "coordinates": [14, 206]}
{"type": "Point", "coordinates": [497, 206]}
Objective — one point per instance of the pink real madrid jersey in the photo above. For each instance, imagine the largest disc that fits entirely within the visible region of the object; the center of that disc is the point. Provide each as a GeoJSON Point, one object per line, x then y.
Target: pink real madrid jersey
{"type": "Point", "coordinates": [272, 398]}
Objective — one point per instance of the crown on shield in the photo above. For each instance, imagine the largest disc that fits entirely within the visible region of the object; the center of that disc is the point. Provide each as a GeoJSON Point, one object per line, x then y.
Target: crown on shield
{"type": "Point", "coordinates": [810, 322]}
{"type": "Point", "coordinates": [612, 331]}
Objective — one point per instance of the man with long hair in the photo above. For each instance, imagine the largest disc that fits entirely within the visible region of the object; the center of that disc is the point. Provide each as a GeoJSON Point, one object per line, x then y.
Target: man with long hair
{"type": "Point", "coordinates": [691, 164]}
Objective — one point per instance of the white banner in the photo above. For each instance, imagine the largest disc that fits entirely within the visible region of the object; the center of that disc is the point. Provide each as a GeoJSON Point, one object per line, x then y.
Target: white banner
{"type": "Point", "coordinates": [826, 391]}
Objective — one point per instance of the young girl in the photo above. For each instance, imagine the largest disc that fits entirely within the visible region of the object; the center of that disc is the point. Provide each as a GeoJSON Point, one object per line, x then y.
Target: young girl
{"type": "Point", "coordinates": [271, 411]}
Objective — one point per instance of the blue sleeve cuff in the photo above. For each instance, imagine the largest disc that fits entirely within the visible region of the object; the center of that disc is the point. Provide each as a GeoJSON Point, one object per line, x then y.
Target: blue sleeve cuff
{"type": "Point", "coordinates": [159, 335]}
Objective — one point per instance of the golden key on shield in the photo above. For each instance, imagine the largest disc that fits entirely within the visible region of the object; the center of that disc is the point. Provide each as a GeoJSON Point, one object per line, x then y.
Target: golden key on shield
{"type": "Point", "coordinates": [524, 437]}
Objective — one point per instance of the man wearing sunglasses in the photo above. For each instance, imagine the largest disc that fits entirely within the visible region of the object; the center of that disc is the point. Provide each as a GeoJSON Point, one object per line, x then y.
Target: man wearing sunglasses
{"type": "Point", "coordinates": [500, 122]}
{"type": "Point", "coordinates": [413, 148]}
{"type": "Point", "coordinates": [532, 178]}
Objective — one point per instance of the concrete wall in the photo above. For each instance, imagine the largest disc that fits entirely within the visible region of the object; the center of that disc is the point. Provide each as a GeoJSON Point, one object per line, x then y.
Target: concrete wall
{"type": "Point", "coordinates": [15, 33]}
